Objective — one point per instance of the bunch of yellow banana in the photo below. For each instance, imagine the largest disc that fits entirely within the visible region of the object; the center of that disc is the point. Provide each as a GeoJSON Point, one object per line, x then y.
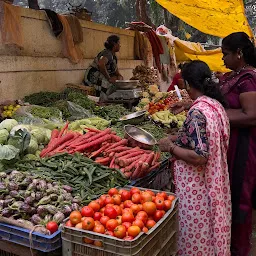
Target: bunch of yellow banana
{"type": "Point", "coordinates": [168, 119]}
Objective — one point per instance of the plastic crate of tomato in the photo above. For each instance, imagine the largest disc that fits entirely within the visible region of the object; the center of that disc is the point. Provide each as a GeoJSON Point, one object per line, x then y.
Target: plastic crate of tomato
{"type": "Point", "coordinates": [159, 240]}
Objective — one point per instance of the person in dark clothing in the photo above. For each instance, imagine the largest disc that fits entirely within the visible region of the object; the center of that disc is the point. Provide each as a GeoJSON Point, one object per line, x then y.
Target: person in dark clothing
{"type": "Point", "coordinates": [103, 72]}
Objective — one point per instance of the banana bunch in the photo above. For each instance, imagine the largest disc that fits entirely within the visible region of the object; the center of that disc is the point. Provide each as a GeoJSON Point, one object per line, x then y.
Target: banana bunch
{"type": "Point", "coordinates": [168, 119]}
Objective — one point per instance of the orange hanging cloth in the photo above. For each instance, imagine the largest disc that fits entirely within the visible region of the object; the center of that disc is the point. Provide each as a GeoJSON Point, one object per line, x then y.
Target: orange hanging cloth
{"type": "Point", "coordinates": [70, 49]}
{"type": "Point", "coordinates": [10, 25]}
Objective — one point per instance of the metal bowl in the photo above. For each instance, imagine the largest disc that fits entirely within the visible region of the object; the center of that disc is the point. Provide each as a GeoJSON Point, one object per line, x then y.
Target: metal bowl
{"type": "Point", "coordinates": [138, 137]}
{"type": "Point", "coordinates": [126, 84]}
{"type": "Point", "coordinates": [134, 118]}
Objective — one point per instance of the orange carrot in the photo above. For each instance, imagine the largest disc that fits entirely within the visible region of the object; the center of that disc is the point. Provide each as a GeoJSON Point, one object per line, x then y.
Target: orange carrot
{"type": "Point", "coordinates": [116, 138]}
{"type": "Point", "coordinates": [102, 160]}
{"type": "Point", "coordinates": [99, 151]}
{"type": "Point", "coordinates": [156, 158]}
{"type": "Point", "coordinates": [118, 149]}
{"type": "Point", "coordinates": [117, 144]}
{"type": "Point", "coordinates": [63, 129]}
{"type": "Point", "coordinates": [127, 151]}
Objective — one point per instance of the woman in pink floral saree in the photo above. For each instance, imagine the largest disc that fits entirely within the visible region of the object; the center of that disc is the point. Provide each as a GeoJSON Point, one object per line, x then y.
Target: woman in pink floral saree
{"type": "Point", "coordinates": [200, 169]}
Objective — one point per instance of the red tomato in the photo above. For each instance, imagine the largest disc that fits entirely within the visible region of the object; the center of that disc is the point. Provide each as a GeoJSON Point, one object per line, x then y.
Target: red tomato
{"type": "Point", "coordinates": [158, 215]}
{"type": "Point", "coordinates": [150, 224]}
{"type": "Point", "coordinates": [119, 220]}
{"type": "Point", "coordinates": [100, 201]}
{"type": "Point", "coordinates": [145, 230]}
{"type": "Point", "coordinates": [99, 229]}
{"type": "Point", "coordinates": [117, 199]}
{"type": "Point", "coordinates": [127, 217]}
{"type": "Point", "coordinates": [160, 205]}
{"type": "Point", "coordinates": [109, 200]}
{"type": "Point", "coordinates": [122, 205]}
{"type": "Point", "coordinates": [121, 191]}
{"type": "Point", "coordinates": [142, 216]}
{"type": "Point", "coordinates": [97, 216]}
{"type": "Point", "coordinates": [135, 191]}
{"type": "Point", "coordinates": [102, 210]}
{"type": "Point", "coordinates": [87, 211]}
{"type": "Point", "coordinates": [88, 223]}
{"type": "Point", "coordinates": [133, 231]}
{"type": "Point", "coordinates": [128, 238]}
{"type": "Point", "coordinates": [167, 205]}
{"type": "Point", "coordinates": [149, 208]}
{"type": "Point", "coordinates": [103, 197]}
{"type": "Point", "coordinates": [128, 204]}
{"type": "Point", "coordinates": [111, 224]}
{"type": "Point", "coordinates": [113, 191]}
{"type": "Point", "coordinates": [146, 197]}
{"type": "Point", "coordinates": [150, 192]}
{"type": "Point", "coordinates": [97, 222]}
{"type": "Point", "coordinates": [104, 220]}
{"type": "Point", "coordinates": [163, 195]}
{"type": "Point", "coordinates": [79, 225]}
{"type": "Point", "coordinates": [171, 197]}
{"type": "Point", "coordinates": [120, 231]}
{"type": "Point", "coordinates": [126, 195]}
{"type": "Point", "coordinates": [109, 233]}
{"type": "Point", "coordinates": [129, 210]}
{"type": "Point", "coordinates": [126, 224]}
{"type": "Point", "coordinates": [136, 198]}
{"type": "Point", "coordinates": [88, 241]}
{"type": "Point", "coordinates": [141, 207]}
{"type": "Point", "coordinates": [52, 226]}
{"type": "Point", "coordinates": [110, 212]}
{"type": "Point", "coordinates": [135, 209]}
{"type": "Point", "coordinates": [75, 217]}
{"type": "Point", "coordinates": [118, 209]}
{"type": "Point", "coordinates": [95, 206]}
{"type": "Point", "coordinates": [69, 224]}
{"type": "Point", "coordinates": [98, 243]}
{"type": "Point", "coordinates": [138, 223]}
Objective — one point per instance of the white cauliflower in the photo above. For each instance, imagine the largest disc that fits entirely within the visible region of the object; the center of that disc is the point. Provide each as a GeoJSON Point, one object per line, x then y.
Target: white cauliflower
{"type": "Point", "coordinates": [145, 94]}
{"type": "Point", "coordinates": [153, 89]}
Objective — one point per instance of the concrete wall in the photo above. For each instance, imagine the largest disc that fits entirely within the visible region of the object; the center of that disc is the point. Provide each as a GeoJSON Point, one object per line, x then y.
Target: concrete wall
{"type": "Point", "coordinates": [40, 66]}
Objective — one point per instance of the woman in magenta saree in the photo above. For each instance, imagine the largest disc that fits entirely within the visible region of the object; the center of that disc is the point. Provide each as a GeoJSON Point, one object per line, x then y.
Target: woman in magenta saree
{"type": "Point", "coordinates": [239, 89]}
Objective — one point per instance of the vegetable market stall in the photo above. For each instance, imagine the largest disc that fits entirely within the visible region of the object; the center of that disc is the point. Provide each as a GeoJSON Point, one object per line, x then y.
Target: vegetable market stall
{"type": "Point", "coordinates": [59, 166]}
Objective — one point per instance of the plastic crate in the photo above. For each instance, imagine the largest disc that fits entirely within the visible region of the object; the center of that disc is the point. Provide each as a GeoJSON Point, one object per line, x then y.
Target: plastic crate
{"type": "Point", "coordinates": [161, 240]}
{"type": "Point", "coordinates": [40, 242]}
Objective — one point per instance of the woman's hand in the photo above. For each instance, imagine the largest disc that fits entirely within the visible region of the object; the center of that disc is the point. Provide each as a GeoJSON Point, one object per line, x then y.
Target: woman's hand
{"type": "Point", "coordinates": [179, 107]}
{"type": "Point", "coordinates": [112, 80]}
{"type": "Point", "coordinates": [165, 144]}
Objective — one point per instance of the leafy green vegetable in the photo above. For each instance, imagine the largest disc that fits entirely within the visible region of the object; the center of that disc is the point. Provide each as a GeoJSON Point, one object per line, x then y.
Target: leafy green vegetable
{"type": "Point", "coordinates": [8, 152]}
{"type": "Point", "coordinates": [20, 140]}
{"type": "Point", "coordinates": [62, 105]}
{"type": "Point", "coordinates": [46, 112]}
{"type": "Point", "coordinates": [111, 112]}
{"type": "Point", "coordinates": [8, 124]}
{"type": "Point", "coordinates": [3, 136]}
{"type": "Point", "coordinates": [43, 98]}
{"type": "Point", "coordinates": [32, 147]}
{"type": "Point", "coordinates": [39, 134]}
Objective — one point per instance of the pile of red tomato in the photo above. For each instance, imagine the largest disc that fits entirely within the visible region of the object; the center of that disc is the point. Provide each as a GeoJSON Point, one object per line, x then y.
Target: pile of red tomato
{"type": "Point", "coordinates": [161, 105]}
{"type": "Point", "coordinates": [122, 213]}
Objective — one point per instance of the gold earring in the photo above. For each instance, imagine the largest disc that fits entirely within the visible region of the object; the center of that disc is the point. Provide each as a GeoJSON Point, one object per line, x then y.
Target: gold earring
{"type": "Point", "coordinates": [239, 57]}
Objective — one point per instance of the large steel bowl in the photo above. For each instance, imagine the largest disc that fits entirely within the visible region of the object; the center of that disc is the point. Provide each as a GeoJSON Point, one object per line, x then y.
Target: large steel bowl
{"type": "Point", "coordinates": [134, 118]}
{"type": "Point", "coordinates": [126, 84]}
{"type": "Point", "coordinates": [138, 137]}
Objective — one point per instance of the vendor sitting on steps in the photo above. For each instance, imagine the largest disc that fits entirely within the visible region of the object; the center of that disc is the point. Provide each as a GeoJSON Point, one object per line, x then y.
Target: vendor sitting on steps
{"type": "Point", "coordinates": [103, 72]}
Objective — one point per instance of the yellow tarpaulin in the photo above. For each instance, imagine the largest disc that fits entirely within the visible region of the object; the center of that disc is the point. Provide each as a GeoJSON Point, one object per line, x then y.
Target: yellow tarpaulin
{"type": "Point", "coordinates": [185, 51]}
{"type": "Point", "coordinates": [214, 17]}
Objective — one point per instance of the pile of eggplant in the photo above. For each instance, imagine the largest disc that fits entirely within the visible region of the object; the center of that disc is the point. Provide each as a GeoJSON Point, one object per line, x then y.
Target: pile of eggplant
{"type": "Point", "coordinates": [25, 196]}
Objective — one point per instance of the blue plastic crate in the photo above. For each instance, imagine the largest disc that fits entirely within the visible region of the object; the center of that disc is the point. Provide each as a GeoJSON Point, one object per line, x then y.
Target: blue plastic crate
{"type": "Point", "coordinates": [43, 243]}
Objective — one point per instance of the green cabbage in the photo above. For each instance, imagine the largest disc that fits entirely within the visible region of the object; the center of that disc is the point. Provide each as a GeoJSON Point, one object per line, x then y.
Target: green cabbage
{"type": "Point", "coordinates": [39, 135]}
{"type": "Point", "coordinates": [30, 157]}
{"type": "Point", "coordinates": [48, 134]}
{"type": "Point", "coordinates": [3, 136]}
{"type": "Point", "coordinates": [32, 147]}
{"type": "Point", "coordinates": [8, 152]}
{"type": "Point", "coordinates": [8, 124]}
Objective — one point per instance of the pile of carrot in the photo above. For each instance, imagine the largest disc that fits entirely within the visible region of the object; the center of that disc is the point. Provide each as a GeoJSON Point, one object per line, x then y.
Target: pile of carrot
{"type": "Point", "coordinates": [104, 147]}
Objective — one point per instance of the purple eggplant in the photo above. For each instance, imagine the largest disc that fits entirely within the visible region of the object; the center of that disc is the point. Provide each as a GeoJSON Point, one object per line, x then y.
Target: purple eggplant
{"type": "Point", "coordinates": [2, 203]}
{"type": "Point", "coordinates": [16, 205]}
{"type": "Point", "coordinates": [2, 187]}
{"type": "Point", "coordinates": [29, 200]}
{"type": "Point", "coordinates": [45, 200]}
{"type": "Point", "coordinates": [76, 200]}
{"type": "Point", "coordinates": [41, 211]}
{"type": "Point", "coordinates": [7, 202]}
{"type": "Point", "coordinates": [7, 197]}
{"type": "Point", "coordinates": [31, 187]}
{"type": "Point", "coordinates": [26, 182]}
{"type": "Point", "coordinates": [34, 182]}
{"type": "Point", "coordinates": [13, 186]}
{"type": "Point", "coordinates": [49, 186]}
{"type": "Point", "coordinates": [14, 174]}
{"type": "Point", "coordinates": [66, 210]}
{"type": "Point", "coordinates": [75, 207]}
{"type": "Point", "coordinates": [67, 188]}
{"type": "Point", "coordinates": [2, 197]}
{"type": "Point", "coordinates": [14, 193]}
{"type": "Point", "coordinates": [51, 209]}
{"type": "Point", "coordinates": [58, 217]}
{"type": "Point", "coordinates": [6, 212]}
{"type": "Point", "coordinates": [55, 183]}
{"type": "Point", "coordinates": [54, 197]}
{"type": "Point", "coordinates": [39, 195]}
{"type": "Point", "coordinates": [36, 219]}
{"type": "Point", "coordinates": [41, 185]}
{"type": "Point", "coordinates": [33, 210]}
{"type": "Point", "coordinates": [25, 208]}
{"type": "Point", "coordinates": [52, 191]}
